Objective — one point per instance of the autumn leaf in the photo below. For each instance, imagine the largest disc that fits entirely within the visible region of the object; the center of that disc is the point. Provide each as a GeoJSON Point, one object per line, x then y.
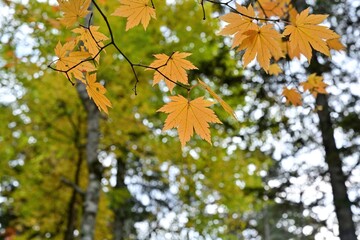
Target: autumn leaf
{"type": "Point", "coordinates": [275, 69]}
{"type": "Point", "coordinates": [263, 43]}
{"type": "Point", "coordinates": [188, 116]}
{"type": "Point", "coordinates": [73, 10]}
{"type": "Point", "coordinates": [173, 67]}
{"type": "Point", "coordinates": [315, 85]}
{"type": "Point", "coordinates": [136, 12]}
{"type": "Point", "coordinates": [238, 24]}
{"type": "Point", "coordinates": [335, 44]}
{"type": "Point", "coordinates": [69, 58]}
{"type": "Point", "coordinates": [96, 92]}
{"type": "Point", "coordinates": [225, 106]}
{"type": "Point", "coordinates": [92, 39]}
{"type": "Point", "coordinates": [306, 33]}
{"type": "Point", "coordinates": [292, 96]}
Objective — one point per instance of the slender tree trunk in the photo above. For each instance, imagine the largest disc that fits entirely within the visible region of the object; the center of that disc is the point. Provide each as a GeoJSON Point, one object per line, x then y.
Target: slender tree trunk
{"type": "Point", "coordinates": [267, 232]}
{"type": "Point", "coordinates": [337, 177]}
{"type": "Point", "coordinates": [120, 218]}
{"type": "Point", "coordinates": [72, 208]}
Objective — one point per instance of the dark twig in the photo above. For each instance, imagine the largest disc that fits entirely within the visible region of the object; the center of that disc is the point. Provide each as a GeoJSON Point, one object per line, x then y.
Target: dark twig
{"type": "Point", "coordinates": [162, 74]}
{"type": "Point", "coordinates": [73, 185]}
{"type": "Point", "coordinates": [203, 9]}
{"type": "Point", "coordinates": [227, 4]}
{"type": "Point", "coordinates": [152, 4]}
{"type": "Point", "coordinates": [262, 9]}
{"type": "Point", "coordinates": [90, 18]}
{"type": "Point", "coordinates": [68, 77]}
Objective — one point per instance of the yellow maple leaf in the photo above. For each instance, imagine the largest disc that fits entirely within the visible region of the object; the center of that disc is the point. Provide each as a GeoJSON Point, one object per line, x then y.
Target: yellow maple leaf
{"type": "Point", "coordinates": [73, 10]}
{"type": "Point", "coordinates": [274, 69]}
{"type": "Point", "coordinates": [188, 116]}
{"type": "Point", "coordinates": [136, 12]}
{"type": "Point", "coordinates": [224, 104]}
{"type": "Point", "coordinates": [174, 67]}
{"type": "Point", "coordinates": [263, 43]}
{"type": "Point", "coordinates": [238, 24]}
{"type": "Point", "coordinates": [315, 85]}
{"type": "Point", "coordinates": [335, 44]}
{"type": "Point", "coordinates": [92, 39]}
{"type": "Point", "coordinates": [96, 92]}
{"type": "Point", "coordinates": [292, 96]}
{"type": "Point", "coordinates": [69, 58]}
{"type": "Point", "coordinates": [306, 33]}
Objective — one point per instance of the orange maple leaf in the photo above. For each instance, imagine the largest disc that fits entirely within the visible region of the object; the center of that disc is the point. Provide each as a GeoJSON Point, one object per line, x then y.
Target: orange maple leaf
{"type": "Point", "coordinates": [92, 39]}
{"type": "Point", "coordinates": [238, 24]}
{"type": "Point", "coordinates": [73, 10]}
{"type": "Point", "coordinates": [188, 116]}
{"type": "Point", "coordinates": [136, 12]}
{"type": "Point", "coordinates": [292, 96]}
{"type": "Point", "coordinates": [335, 44]}
{"type": "Point", "coordinates": [274, 69]}
{"type": "Point", "coordinates": [315, 85]}
{"type": "Point", "coordinates": [306, 33]}
{"type": "Point", "coordinates": [263, 43]}
{"type": "Point", "coordinates": [224, 104]}
{"type": "Point", "coordinates": [96, 92]}
{"type": "Point", "coordinates": [69, 58]}
{"type": "Point", "coordinates": [173, 67]}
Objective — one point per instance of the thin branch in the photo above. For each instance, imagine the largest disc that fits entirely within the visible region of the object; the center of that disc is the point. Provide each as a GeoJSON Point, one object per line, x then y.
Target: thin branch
{"type": "Point", "coordinates": [73, 185]}
{"type": "Point", "coordinates": [262, 9]}
{"type": "Point", "coordinates": [203, 9]}
{"type": "Point", "coordinates": [227, 4]}
{"type": "Point", "coordinates": [166, 77]}
{"type": "Point", "coordinates": [152, 4]}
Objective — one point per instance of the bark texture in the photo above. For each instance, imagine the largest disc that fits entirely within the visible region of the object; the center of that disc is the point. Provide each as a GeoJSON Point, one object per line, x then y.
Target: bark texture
{"type": "Point", "coordinates": [337, 177]}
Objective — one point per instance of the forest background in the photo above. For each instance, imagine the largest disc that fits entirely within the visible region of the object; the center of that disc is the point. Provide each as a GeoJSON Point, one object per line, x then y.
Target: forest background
{"type": "Point", "coordinates": [267, 176]}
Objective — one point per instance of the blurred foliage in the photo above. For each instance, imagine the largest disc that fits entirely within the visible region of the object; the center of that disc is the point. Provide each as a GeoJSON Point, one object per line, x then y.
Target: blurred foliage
{"type": "Point", "coordinates": [215, 191]}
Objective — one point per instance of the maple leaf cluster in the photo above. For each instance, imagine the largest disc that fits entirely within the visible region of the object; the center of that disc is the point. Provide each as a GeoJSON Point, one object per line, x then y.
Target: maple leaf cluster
{"type": "Point", "coordinates": [184, 114]}
{"type": "Point", "coordinates": [75, 55]}
{"type": "Point", "coordinates": [255, 31]}
{"type": "Point", "coordinates": [314, 85]}
{"type": "Point", "coordinates": [77, 58]}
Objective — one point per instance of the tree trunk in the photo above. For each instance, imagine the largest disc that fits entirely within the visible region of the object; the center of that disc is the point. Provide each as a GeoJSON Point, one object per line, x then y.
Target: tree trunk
{"type": "Point", "coordinates": [94, 166]}
{"type": "Point", "coordinates": [95, 169]}
{"type": "Point", "coordinates": [267, 232]}
{"type": "Point", "coordinates": [72, 208]}
{"type": "Point", "coordinates": [337, 177]}
{"type": "Point", "coordinates": [120, 218]}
